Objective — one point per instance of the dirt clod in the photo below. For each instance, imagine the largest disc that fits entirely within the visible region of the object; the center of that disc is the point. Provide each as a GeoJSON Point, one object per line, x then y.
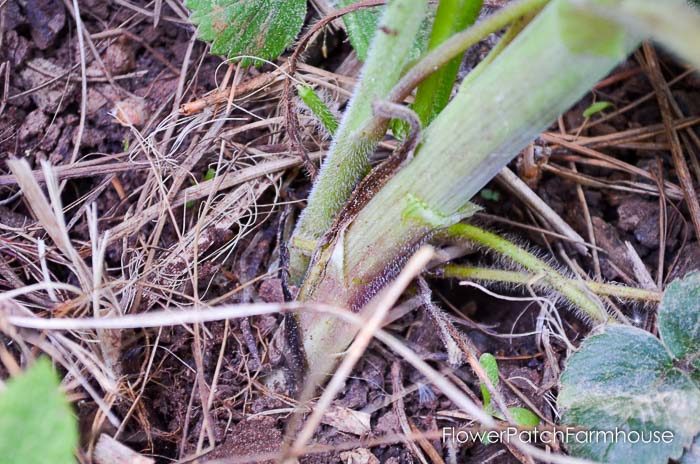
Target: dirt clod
{"type": "Point", "coordinates": [119, 57]}
{"type": "Point", "coordinates": [640, 217]}
{"type": "Point", "coordinates": [359, 456]}
{"type": "Point", "coordinates": [17, 48]}
{"type": "Point", "coordinates": [50, 98]}
{"type": "Point", "coordinates": [33, 125]}
{"type": "Point", "coordinates": [46, 19]}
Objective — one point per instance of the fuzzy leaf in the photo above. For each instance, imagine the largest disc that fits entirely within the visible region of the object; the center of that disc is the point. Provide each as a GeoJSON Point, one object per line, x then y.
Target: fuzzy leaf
{"type": "Point", "coordinates": [625, 379]}
{"type": "Point", "coordinates": [319, 108]}
{"type": "Point", "coordinates": [259, 28]}
{"type": "Point", "coordinates": [360, 26]}
{"type": "Point", "coordinates": [679, 319]}
{"type": "Point", "coordinates": [36, 422]}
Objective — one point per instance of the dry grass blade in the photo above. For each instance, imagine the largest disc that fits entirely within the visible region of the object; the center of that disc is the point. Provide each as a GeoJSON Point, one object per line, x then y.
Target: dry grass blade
{"type": "Point", "coordinates": [45, 213]}
{"type": "Point", "coordinates": [50, 216]}
{"type": "Point", "coordinates": [400, 410]}
{"type": "Point", "coordinates": [205, 189]}
{"type": "Point", "coordinates": [531, 199]}
{"type": "Point", "coordinates": [659, 84]}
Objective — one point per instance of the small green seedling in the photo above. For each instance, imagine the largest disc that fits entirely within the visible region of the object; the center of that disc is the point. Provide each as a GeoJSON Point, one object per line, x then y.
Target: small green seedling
{"type": "Point", "coordinates": [523, 417]}
{"type": "Point", "coordinates": [37, 425]}
{"type": "Point", "coordinates": [625, 379]}
{"type": "Point", "coordinates": [596, 108]}
{"type": "Point", "coordinates": [490, 195]}
{"type": "Point", "coordinates": [208, 175]}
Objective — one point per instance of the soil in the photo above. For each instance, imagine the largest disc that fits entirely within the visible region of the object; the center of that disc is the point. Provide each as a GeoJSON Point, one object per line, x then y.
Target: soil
{"type": "Point", "coordinates": [131, 142]}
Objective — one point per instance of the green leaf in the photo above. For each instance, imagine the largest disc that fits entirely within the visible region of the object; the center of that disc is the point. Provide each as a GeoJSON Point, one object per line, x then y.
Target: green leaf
{"type": "Point", "coordinates": [433, 93]}
{"type": "Point", "coordinates": [209, 175]}
{"type": "Point", "coordinates": [490, 365]}
{"type": "Point", "coordinates": [36, 422]}
{"type": "Point", "coordinates": [596, 108]}
{"type": "Point", "coordinates": [524, 417]}
{"type": "Point", "coordinates": [259, 28]}
{"type": "Point", "coordinates": [624, 379]}
{"type": "Point", "coordinates": [679, 319]}
{"type": "Point", "coordinates": [361, 25]}
{"type": "Point", "coordinates": [490, 195]}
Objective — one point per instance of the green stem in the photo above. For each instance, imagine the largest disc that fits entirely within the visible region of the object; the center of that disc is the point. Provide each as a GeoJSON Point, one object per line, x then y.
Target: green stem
{"type": "Point", "coordinates": [571, 290]}
{"type": "Point", "coordinates": [433, 93]}
{"type": "Point", "coordinates": [533, 80]}
{"type": "Point", "coordinates": [347, 161]}
{"type": "Point", "coordinates": [456, 271]}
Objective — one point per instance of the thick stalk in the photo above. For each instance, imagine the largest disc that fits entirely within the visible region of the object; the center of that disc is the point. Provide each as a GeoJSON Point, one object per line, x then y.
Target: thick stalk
{"type": "Point", "coordinates": [347, 161]}
{"type": "Point", "coordinates": [537, 77]}
{"type": "Point", "coordinates": [355, 147]}
{"type": "Point", "coordinates": [456, 271]}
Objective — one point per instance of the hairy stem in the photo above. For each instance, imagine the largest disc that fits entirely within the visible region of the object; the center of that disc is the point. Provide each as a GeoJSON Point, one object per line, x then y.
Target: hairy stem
{"type": "Point", "coordinates": [573, 291]}
{"type": "Point", "coordinates": [347, 161]}
{"type": "Point", "coordinates": [515, 28]}
{"type": "Point", "coordinates": [456, 271]}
